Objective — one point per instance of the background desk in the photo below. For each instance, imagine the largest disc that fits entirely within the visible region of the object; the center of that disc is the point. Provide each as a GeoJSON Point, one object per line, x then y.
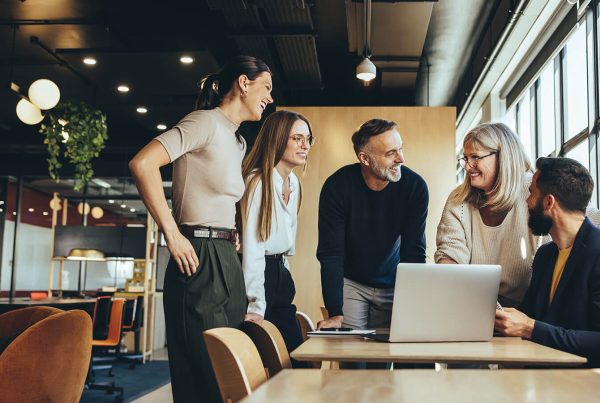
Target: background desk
{"type": "Point", "coordinates": [313, 385]}
{"type": "Point", "coordinates": [500, 350]}
{"type": "Point", "coordinates": [86, 304]}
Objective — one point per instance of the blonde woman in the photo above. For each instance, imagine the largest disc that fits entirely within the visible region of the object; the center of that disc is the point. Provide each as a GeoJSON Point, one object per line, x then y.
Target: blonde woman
{"type": "Point", "coordinates": [269, 211]}
{"type": "Point", "coordinates": [485, 218]}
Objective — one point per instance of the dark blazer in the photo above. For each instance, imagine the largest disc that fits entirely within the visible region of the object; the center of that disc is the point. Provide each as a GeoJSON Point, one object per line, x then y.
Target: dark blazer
{"type": "Point", "coordinates": [572, 322]}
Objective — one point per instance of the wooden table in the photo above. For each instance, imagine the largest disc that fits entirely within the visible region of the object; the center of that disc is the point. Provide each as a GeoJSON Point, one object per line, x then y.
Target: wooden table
{"type": "Point", "coordinates": [500, 350]}
{"type": "Point", "coordinates": [87, 304]}
{"type": "Point", "coordinates": [461, 385]}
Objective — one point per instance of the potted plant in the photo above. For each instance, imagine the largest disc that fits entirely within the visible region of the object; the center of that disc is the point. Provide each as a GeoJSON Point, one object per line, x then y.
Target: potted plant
{"type": "Point", "coordinates": [76, 133]}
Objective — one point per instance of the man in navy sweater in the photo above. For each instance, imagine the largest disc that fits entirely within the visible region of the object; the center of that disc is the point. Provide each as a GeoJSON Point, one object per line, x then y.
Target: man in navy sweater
{"type": "Point", "coordinates": [371, 217]}
{"type": "Point", "coordinates": [561, 308]}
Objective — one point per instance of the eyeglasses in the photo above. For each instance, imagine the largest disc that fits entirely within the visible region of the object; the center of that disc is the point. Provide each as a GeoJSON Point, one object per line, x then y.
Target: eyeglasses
{"type": "Point", "coordinates": [306, 140]}
{"type": "Point", "coordinates": [472, 161]}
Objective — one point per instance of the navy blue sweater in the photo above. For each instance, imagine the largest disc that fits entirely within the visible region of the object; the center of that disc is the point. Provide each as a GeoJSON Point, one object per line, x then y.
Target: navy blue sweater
{"type": "Point", "coordinates": [364, 234]}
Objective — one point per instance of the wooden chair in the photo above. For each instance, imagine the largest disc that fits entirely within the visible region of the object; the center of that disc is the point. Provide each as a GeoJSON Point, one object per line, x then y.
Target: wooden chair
{"type": "Point", "coordinates": [236, 362]}
{"type": "Point", "coordinates": [271, 347]}
{"type": "Point", "coordinates": [306, 326]}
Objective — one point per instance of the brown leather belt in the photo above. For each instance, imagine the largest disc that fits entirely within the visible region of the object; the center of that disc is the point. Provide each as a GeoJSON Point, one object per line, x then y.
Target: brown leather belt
{"type": "Point", "coordinates": [209, 232]}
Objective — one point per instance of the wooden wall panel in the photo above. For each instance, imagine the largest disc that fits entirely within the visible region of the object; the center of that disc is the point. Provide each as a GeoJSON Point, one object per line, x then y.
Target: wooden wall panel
{"type": "Point", "coordinates": [429, 137]}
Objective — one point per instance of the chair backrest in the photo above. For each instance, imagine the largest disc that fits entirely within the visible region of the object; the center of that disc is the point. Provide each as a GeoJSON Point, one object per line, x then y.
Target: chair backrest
{"type": "Point", "coordinates": [129, 313]}
{"type": "Point", "coordinates": [16, 321]}
{"type": "Point", "coordinates": [305, 324]}
{"type": "Point", "coordinates": [48, 361]}
{"type": "Point", "coordinates": [101, 317]}
{"type": "Point", "coordinates": [236, 362]}
{"type": "Point", "coordinates": [270, 345]}
{"type": "Point", "coordinates": [114, 324]}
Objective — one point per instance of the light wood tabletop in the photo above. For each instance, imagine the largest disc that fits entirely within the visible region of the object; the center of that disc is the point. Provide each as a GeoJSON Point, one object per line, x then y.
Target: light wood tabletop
{"type": "Point", "coordinates": [461, 385]}
{"type": "Point", "coordinates": [500, 350]}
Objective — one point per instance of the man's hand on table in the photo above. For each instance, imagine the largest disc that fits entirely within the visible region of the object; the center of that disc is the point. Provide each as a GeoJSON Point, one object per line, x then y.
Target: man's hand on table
{"type": "Point", "coordinates": [511, 322]}
{"type": "Point", "coordinates": [334, 321]}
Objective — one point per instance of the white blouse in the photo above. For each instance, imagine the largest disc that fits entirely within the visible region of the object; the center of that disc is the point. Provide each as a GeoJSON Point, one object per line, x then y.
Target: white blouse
{"type": "Point", "coordinates": [281, 239]}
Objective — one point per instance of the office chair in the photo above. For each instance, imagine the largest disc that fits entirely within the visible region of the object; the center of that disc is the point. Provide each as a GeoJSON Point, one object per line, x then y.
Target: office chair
{"type": "Point", "coordinates": [271, 347]}
{"type": "Point", "coordinates": [236, 362]}
{"type": "Point", "coordinates": [48, 356]}
{"type": "Point", "coordinates": [112, 340]}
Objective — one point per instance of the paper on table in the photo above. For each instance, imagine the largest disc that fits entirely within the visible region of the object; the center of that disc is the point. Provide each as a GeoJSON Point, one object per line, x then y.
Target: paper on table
{"type": "Point", "coordinates": [338, 333]}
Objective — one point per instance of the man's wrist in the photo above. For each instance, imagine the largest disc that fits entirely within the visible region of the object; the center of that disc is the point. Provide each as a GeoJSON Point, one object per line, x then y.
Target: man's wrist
{"type": "Point", "coordinates": [529, 328]}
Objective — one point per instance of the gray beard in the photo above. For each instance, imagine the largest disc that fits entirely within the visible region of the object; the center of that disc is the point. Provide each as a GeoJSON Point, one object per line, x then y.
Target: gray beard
{"type": "Point", "coordinates": [385, 173]}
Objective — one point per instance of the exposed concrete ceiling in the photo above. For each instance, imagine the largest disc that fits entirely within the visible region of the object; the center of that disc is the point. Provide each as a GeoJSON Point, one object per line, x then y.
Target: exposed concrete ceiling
{"type": "Point", "coordinates": [454, 30]}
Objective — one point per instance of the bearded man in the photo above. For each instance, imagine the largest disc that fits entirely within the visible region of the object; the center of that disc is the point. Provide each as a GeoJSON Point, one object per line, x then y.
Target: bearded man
{"type": "Point", "coordinates": [561, 308]}
{"type": "Point", "coordinates": [371, 217]}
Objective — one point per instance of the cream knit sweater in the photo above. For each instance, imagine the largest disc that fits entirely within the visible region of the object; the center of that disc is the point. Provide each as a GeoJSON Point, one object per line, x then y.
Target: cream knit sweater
{"type": "Point", "coordinates": [463, 237]}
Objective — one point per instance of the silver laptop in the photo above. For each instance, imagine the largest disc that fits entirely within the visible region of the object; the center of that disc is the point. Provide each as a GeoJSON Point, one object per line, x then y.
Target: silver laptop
{"type": "Point", "coordinates": [444, 302]}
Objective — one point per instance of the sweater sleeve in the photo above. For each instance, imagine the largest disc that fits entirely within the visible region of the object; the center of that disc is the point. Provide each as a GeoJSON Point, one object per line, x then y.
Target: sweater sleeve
{"type": "Point", "coordinates": [330, 250]}
{"type": "Point", "coordinates": [413, 244]}
{"type": "Point", "coordinates": [454, 233]}
{"type": "Point", "coordinates": [253, 261]}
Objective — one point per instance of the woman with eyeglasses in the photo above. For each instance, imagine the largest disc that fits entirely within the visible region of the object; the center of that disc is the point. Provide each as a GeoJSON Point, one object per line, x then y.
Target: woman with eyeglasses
{"type": "Point", "coordinates": [485, 218]}
{"type": "Point", "coordinates": [269, 211]}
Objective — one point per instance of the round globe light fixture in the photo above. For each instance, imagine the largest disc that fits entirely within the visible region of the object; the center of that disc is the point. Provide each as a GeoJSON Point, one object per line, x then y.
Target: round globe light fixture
{"type": "Point", "coordinates": [28, 112]}
{"type": "Point", "coordinates": [83, 208]}
{"type": "Point", "coordinates": [97, 212]}
{"type": "Point", "coordinates": [44, 94]}
{"type": "Point", "coordinates": [55, 204]}
{"type": "Point", "coordinates": [366, 70]}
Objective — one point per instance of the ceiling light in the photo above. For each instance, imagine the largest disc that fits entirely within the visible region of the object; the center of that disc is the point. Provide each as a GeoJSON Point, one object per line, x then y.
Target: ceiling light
{"type": "Point", "coordinates": [111, 201]}
{"type": "Point", "coordinates": [141, 109]}
{"type": "Point", "coordinates": [31, 210]}
{"type": "Point", "coordinates": [97, 212]}
{"type": "Point", "coordinates": [83, 208]}
{"type": "Point", "coordinates": [14, 213]}
{"type": "Point", "coordinates": [366, 70]}
{"type": "Point", "coordinates": [1, 202]}
{"type": "Point", "coordinates": [102, 183]}
{"type": "Point", "coordinates": [90, 61]}
{"type": "Point", "coordinates": [123, 88]}
{"type": "Point", "coordinates": [132, 210]}
{"type": "Point", "coordinates": [123, 206]}
{"type": "Point", "coordinates": [28, 112]}
{"type": "Point", "coordinates": [44, 94]}
{"type": "Point", "coordinates": [186, 59]}
{"type": "Point", "coordinates": [1, 210]}
{"type": "Point", "coordinates": [45, 213]}
{"type": "Point", "coordinates": [55, 204]}
{"type": "Point", "coordinates": [161, 126]}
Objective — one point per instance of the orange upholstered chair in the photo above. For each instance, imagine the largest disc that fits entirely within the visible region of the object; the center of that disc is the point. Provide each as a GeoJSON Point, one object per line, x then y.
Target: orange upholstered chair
{"type": "Point", "coordinates": [48, 359]}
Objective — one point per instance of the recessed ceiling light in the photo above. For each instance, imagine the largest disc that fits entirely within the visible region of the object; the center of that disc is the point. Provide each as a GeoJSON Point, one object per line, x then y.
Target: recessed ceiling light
{"type": "Point", "coordinates": [90, 61]}
{"type": "Point", "coordinates": [132, 210]}
{"type": "Point", "coordinates": [1, 210]}
{"type": "Point", "coordinates": [123, 205]}
{"type": "Point", "coordinates": [123, 88]}
{"type": "Point", "coordinates": [161, 126]}
{"type": "Point", "coordinates": [1, 202]}
{"type": "Point", "coordinates": [30, 210]}
{"type": "Point", "coordinates": [186, 59]}
{"type": "Point", "coordinates": [14, 213]}
{"type": "Point", "coordinates": [45, 213]}
{"type": "Point", "coordinates": [111, 201]}
{"type": "Point", "coordinates": [141, 109]}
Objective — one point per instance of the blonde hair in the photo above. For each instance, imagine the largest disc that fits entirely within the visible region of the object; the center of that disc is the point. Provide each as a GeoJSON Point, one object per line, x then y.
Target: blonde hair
{"type": "Point", "coordinates": [512, 164]}
{"type": "Point", "coordinates": [266, 153]}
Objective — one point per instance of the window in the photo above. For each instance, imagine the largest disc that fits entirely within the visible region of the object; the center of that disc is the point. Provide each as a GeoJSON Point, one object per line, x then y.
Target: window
{"type": "Point", "coordinates": [575, 83]}
{"type": "Point", "coordinates": [524, 122]}
{"type": "Point", "coordinates": [547, 115]}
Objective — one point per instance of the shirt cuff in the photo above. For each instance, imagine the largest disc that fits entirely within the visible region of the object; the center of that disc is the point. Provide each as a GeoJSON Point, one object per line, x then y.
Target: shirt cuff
{"type": "Point", "coordinates": [258, 307]}
{"type": "Point", "coordinates": [335, 311]}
